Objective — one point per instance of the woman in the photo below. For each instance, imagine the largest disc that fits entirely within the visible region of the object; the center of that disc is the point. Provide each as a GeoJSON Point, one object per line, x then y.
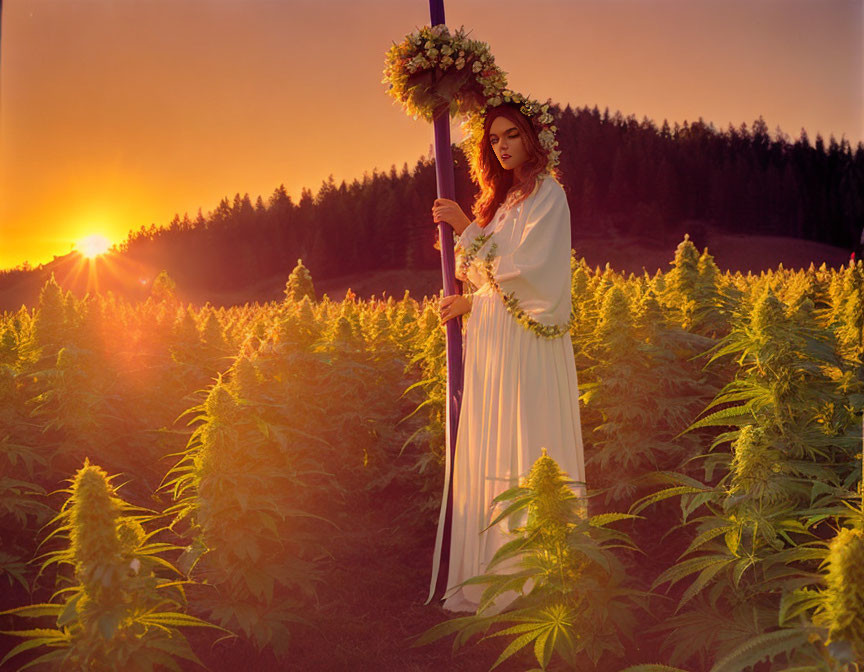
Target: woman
{"type": "Point", "coordinates": [520, 390]}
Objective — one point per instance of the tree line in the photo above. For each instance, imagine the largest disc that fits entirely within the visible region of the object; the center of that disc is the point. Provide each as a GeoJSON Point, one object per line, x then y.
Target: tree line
{"type": "Point", "coordinates": [622, 176]}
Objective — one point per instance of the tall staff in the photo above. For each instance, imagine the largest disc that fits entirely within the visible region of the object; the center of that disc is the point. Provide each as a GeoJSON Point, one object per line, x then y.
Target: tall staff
{"type": "Point", "coordinates": [437, 75]}
{"type": "Point", "coordinates": [446, 189]}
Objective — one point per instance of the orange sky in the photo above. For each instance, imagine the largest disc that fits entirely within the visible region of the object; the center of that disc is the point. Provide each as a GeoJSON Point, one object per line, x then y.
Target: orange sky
{"type": "Point", "coordinates": [116, 114]}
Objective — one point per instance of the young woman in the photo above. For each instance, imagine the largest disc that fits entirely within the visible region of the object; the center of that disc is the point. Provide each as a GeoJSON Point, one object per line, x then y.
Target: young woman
{"type": "Point", "coordinates": [520, 391]}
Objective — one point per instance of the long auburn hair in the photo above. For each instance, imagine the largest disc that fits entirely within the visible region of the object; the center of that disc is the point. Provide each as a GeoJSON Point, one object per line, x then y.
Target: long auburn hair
{"type": "Point", "coordinates": [496, 183]}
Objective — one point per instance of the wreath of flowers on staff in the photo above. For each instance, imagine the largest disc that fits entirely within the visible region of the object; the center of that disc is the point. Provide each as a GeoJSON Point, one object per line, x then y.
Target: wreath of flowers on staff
{"type": "Point", "coordinates": [432, 70]}
{"type": "Point", "coordinates": [538, 114]}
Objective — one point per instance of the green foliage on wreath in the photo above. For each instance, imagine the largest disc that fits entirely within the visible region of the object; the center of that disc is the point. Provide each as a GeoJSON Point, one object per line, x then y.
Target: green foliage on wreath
{"type": "Point", "coordinates": [432, 70]}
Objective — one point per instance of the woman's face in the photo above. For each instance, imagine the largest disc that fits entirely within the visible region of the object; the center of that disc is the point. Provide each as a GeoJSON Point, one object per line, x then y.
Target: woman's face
{"type": "Point", "coordinates": [506, 140]}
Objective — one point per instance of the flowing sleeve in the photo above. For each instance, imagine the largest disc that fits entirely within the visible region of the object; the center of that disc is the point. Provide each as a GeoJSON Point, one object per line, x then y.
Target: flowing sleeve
{"type": "Point", "coordinates": [537, 270]}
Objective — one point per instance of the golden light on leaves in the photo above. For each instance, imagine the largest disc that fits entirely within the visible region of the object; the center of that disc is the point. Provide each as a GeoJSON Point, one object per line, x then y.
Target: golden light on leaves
{"type": "Point", "coordinates": [93, 246]}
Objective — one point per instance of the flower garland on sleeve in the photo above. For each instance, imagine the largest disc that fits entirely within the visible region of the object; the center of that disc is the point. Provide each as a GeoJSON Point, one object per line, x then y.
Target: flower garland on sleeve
{"type": "Point", "coordinates": [465, 259]}
{"type": "Point", "coordinates": [513, 307]}
{"type": "Point", "coordinates": [474, 247]}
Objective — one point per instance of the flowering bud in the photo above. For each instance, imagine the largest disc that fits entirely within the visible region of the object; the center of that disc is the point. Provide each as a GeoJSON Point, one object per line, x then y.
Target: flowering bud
{"type": "Point", "coordinates": [844, 608]}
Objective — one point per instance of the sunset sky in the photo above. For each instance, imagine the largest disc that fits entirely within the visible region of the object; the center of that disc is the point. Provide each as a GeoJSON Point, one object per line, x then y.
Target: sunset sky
{"type": "Point", "coordinates": [115, 114]}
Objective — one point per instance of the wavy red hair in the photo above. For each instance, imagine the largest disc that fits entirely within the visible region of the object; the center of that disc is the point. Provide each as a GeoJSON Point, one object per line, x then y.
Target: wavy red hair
{"type": "Point", "coordinates": [496, 183]}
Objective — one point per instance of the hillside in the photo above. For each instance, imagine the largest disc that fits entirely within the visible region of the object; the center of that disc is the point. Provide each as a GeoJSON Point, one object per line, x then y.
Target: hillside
{"type": "Point", "coordinates": [735, 252]}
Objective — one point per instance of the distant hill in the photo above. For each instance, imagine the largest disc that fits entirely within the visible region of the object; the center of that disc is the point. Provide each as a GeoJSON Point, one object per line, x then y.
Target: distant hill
{"type": "Point", "coordinates": [735, 252]}
{"type": "Point", "coordinates": [633, 189]}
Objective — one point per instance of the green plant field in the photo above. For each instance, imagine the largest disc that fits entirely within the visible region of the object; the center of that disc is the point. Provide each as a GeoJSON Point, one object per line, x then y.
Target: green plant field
{"type": "Point", "coordinates": [257, 487]}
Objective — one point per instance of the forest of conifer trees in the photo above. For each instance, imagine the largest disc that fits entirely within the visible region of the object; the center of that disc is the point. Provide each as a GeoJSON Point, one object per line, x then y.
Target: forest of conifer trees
{"type": "Point", "coordinates": [622, 177]}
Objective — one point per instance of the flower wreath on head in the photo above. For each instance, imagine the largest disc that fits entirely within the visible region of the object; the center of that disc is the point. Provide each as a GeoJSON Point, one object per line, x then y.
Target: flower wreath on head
{"type": "Point", "coordinates": [432, 70]}
{"type": "Point", "coordinates": [537, 114]}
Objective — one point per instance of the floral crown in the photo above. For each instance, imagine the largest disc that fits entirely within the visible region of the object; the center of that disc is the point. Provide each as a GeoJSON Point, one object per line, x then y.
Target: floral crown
{"type": "Point", "coordinates": [538, 115]}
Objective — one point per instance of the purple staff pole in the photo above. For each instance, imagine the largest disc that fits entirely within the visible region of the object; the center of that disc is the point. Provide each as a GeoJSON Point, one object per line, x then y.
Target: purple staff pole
{"type": "Point", "coordinates": [446, 189]}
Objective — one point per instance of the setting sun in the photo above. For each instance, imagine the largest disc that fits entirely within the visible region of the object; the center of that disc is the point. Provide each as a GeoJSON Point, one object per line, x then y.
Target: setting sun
{"type": "Point", "coordinates": [93, 246]}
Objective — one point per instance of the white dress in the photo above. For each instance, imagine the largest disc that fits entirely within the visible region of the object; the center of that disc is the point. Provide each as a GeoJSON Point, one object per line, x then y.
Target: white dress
{"type": "Point", "coordinates": [520, 391]}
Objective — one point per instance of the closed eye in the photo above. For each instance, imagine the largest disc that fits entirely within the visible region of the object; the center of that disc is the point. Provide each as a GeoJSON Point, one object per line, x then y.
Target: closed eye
{"type": "Point", "coordinates": [511, 137]}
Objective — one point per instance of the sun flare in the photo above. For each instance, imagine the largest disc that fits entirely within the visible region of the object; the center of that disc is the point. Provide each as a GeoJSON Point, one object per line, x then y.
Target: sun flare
{"type": "Point", "coordinates": [93, 246]}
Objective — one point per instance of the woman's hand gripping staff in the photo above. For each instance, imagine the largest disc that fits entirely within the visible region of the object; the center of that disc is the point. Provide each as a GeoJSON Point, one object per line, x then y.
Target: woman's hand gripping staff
{"type": "Point", "coordinates": [449, 211]}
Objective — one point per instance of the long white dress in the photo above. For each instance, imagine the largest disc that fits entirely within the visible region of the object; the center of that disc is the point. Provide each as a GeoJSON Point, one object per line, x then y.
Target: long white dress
{"type": "Point", "coordinates": [520, 391]}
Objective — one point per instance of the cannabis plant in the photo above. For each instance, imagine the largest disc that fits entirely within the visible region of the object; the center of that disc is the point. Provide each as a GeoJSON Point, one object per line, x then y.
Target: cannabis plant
{"type": "Point", "coordinates": [121, 612]}
{"type": "Point", "coordinates": [759, 535]}
{"type": "Point", "coordinates": [237, 484]}
{"type": "Point", "coordinates": [573, 597]}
